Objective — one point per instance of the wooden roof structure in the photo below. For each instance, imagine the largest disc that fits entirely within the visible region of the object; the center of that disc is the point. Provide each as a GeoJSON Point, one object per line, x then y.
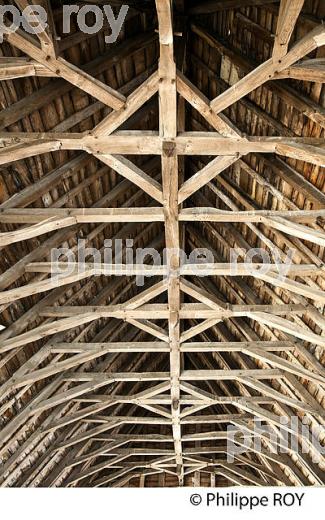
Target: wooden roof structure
{"type": "Point", "coordinates": [202, 127]}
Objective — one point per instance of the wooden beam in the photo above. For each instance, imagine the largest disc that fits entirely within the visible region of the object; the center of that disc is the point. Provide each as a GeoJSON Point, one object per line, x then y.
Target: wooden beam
{"type": "Point", "coordinates": [48, 220]}
{"type": "Point", "coordinates": [312, 110]}
{"type": "Point", "coordinates": [201, 103]}
{"type": "Point", "coordinates": [159, 311]}
{"type": "Point", "coordinates": [160, 346]}
{"type": "Point", "coordinates": [151, 214]}
{"type": "Point", "coordinates": [19, 145]}
{"type": "Point", "coordinates": [202, 214]}
{"type": "Point", "coordinates": [18, 269]}
{"type": "Point", "coordinates": [47, 37]}
{"type": "Point", "coordinates": [168, 132]}
{"type": "Point", "coordinates": [61, 68]}
{"type": "Point", "coordinates": [288, 15]}
{"type": "Point", "coordinates": [296, 180]}
{"type": "Point", "coordinates": [208, 143]}
{"type": "Point", "coordinates": [133, 103]}
{"type": "Point", "coordinates": [13, 68]}
{"type": "Point", "coordinates": [270, 274]}
{"type": "Point", "coordinates": [102, 64]}
{"type": "Point", "coordinates": [205, 175]}
{"type": "Point", "coordinates": [306, 70]}
{"type": "Point", "coordinates": [134, 174]}
{"type": "Point", "coordinates": [268, 69]}
{"type": "Point", "coordinates": [53, 220]}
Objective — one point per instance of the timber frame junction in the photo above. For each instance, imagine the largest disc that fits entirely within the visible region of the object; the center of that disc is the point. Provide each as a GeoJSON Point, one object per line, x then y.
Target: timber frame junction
{"type": "Point", "coordinates": [201, 127]}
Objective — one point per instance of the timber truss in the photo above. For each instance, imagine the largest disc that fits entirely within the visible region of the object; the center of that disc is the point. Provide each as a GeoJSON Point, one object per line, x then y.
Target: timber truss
{"type": "Point", "coordinates": [82, 398]}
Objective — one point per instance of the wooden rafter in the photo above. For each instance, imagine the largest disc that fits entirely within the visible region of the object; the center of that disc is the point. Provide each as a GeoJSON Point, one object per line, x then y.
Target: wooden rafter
{"type": "Point", "coordinates": [61, 68]}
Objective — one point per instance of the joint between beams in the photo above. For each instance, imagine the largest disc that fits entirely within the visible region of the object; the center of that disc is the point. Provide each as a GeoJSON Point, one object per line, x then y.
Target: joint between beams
{"type": "Point", "coordinates": [168, 148]}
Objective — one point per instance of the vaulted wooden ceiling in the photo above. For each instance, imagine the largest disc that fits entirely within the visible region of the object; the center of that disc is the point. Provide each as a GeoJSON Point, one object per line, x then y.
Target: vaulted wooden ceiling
{"type": "Point", "coordinates": [201, 127]}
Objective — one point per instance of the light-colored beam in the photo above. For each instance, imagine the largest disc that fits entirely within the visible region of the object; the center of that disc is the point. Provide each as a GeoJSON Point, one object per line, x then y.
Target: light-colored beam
{"type": "Point", "coordinates": [152, 214]}
{"type": "Point", "coordinates": [61, 68]}
{"type": "Point", "coordinates": [169, 163]}
{"type": "Point", "coordinates": [133, 103]}
{"type": "Point", "coordinates": [18, 146]}
{"type": "Point", "coordinates": [306, 70]}
{"type": "Point", "coordinates": [160, 346]}
{"type": "Point", "coordinates": [275, 274]}
{"type": "Point", "coordinates": [134, 174]}
{"type": "Point", "coordinates": [268, 69]}
{"type": "Point", "coordinates": [288, 15]}
{"type": "Point", "coordinates": [47, 37]}
{"type": "Point", "coordinates": [47, 220]}
{"type": "Point", "coordinates": [13, 68]}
